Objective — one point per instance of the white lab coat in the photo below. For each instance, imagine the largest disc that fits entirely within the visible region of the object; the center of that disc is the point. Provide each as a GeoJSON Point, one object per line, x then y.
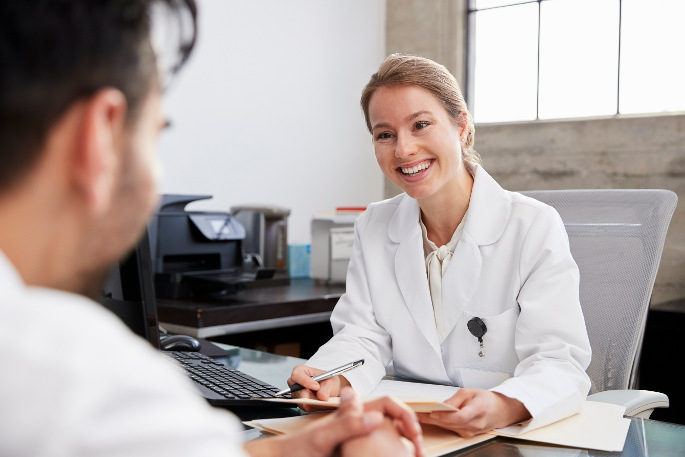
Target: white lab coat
{"type": "Point", "coordinates": [512, 268]}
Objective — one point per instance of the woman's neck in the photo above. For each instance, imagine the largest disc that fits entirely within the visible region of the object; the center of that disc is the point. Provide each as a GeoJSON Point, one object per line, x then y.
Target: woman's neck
{"type": "Point", "coordinates": [442, 213]}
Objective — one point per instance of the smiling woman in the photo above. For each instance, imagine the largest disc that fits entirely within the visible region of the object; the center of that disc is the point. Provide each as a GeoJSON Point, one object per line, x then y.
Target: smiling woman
{"type": "Point", "coordinates": [418, 146]}
{"type": "Point", "coordinates": [405, 70]}
{"type": "Point", "coordinates": [454, 248]}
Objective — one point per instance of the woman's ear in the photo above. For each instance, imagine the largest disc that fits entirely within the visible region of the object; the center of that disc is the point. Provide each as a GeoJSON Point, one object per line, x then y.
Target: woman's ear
{"type": "Point", "coordinates": [462, 125]}
{"type": "Point", "coordinates": [97, 158]}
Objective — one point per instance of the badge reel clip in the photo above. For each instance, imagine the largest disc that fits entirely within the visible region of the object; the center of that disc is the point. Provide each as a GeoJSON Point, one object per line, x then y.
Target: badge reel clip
{"type": "Point", "coordinates": [477, 328]}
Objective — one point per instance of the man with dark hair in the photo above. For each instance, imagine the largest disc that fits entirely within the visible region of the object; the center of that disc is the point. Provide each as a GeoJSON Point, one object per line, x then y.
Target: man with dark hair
{"type": "Point", "coordinates": [80, 113]}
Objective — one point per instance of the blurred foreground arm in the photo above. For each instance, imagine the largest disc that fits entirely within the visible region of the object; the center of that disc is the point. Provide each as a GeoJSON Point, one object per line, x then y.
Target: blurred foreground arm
{"type": "Point", "coordinates": [374, 426]}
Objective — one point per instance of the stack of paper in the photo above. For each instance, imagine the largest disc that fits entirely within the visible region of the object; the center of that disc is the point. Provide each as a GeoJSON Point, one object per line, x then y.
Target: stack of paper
{"type": "Point", "coordinates": [422, 398]}
{"type": "Point", "coordinates": [437, 441]}
{"type": "Point", "coordinates": [599, 426]}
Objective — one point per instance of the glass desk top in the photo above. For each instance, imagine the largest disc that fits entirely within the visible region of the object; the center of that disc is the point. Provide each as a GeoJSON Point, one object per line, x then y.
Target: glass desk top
{"type": "Point", "coordinates": [646, 438]}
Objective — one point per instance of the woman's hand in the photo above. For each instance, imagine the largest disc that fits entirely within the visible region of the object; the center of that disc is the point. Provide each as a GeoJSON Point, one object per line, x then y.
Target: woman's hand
{"type": "Point", "coordinates": [479, 411]}
{"type": "Point", "coordinates": [353, 420]}
{"type": "Point", "coordinates": [331, 387]}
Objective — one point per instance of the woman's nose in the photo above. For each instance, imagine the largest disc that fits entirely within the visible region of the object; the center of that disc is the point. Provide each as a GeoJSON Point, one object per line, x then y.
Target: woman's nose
{"type": "Point", "coordinates": [406, 146]}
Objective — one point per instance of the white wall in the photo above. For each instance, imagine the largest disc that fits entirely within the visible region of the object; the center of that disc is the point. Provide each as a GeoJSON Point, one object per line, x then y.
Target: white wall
{"type": "Point", "coordinates": [267, 109]}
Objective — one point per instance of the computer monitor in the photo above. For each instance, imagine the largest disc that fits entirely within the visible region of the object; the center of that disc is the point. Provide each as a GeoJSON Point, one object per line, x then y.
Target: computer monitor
{"type": "Point", "coordinates": [129, 292]}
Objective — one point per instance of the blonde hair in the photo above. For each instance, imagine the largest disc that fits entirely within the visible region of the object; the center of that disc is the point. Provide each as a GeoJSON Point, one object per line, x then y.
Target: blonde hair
{"type": "Point", "coordinates": [403, 69]}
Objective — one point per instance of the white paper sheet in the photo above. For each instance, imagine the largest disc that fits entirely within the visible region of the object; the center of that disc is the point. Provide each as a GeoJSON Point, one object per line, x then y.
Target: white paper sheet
{"type": "Point", "coordinates": [598, 426]}
{"type": "Point", "coordinates": [415, 390]}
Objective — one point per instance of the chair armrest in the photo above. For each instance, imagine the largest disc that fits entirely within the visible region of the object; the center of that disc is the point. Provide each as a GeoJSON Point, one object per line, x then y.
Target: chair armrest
{"type": "Point", "coordinates": [638, 403]}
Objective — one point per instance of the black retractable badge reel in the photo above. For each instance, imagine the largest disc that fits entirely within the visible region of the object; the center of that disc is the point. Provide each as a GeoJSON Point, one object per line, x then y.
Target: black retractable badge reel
{"type": "Point", "coordinates": [478, 329]}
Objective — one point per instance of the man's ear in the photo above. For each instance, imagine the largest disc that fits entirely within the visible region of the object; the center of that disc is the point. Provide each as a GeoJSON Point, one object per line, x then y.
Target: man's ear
{"type": "Point", "coordinates": [98, 156]}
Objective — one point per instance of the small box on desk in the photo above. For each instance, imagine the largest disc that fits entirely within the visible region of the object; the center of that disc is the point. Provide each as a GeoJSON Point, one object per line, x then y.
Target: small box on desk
{"type": "Point", "coordinates": [332, 240]}
{"type": "Point", "coordinates": [299, 260]}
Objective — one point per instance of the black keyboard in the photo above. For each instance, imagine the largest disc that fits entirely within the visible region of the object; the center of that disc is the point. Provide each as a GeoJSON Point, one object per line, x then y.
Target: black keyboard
{"type": "Point", "coordinates": [225, 386]}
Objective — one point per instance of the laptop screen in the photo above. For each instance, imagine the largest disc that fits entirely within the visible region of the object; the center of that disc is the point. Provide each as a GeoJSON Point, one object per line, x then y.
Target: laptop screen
{"type": "Point", "coordinates": [129, 292]}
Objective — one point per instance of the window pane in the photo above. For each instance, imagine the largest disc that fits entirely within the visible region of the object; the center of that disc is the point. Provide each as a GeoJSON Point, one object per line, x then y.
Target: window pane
{"type": "Point", "coordinates": [578, 58]}
{"type": "Point", "coordinates": [652, 64]}
{"type": "Point", "coordinates": [480, 4]}
{"type": "Point", "coordinates": [505, 79]}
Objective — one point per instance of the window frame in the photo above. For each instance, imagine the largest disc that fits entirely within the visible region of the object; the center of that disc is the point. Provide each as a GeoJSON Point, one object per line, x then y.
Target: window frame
{"type": "Point", "coordinates": [469, 73]}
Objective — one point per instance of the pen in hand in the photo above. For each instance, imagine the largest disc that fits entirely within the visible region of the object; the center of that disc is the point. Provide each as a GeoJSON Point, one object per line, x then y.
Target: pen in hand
{"type": "Point", "coordinates": [320, 377]}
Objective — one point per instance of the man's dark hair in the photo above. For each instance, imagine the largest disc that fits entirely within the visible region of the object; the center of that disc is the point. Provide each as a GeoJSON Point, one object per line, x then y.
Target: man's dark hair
{"type": "Point", "coordinates": [54, 52]}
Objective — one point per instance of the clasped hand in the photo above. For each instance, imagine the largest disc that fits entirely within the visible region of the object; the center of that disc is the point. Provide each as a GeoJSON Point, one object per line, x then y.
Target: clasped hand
{"type": "Point", "coordinates": [395, 422]}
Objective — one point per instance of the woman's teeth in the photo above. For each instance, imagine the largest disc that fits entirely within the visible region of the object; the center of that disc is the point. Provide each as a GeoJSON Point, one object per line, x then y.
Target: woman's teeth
{"type": "Point", "coordinates": [413, 171]}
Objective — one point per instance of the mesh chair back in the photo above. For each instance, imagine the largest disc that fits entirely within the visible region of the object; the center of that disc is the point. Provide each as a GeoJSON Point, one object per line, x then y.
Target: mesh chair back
{"type": "Point", "coordinates": [616, 238]}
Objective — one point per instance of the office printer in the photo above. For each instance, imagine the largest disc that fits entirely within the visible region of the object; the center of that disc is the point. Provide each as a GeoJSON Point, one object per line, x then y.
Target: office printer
{"type": "Point", "coordinates": [199, 254]}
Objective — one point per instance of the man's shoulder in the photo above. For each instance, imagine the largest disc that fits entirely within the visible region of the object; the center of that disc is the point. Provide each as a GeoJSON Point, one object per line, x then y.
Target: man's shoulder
{"type": "Point", "coordinates": [51, 325]}
{"type": "Point", "coordinates": [81, 369]}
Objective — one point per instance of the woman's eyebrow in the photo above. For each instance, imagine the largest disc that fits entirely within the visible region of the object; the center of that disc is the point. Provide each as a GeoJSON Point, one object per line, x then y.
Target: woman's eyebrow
{"type": "Point", "coordinates": [411, 117]}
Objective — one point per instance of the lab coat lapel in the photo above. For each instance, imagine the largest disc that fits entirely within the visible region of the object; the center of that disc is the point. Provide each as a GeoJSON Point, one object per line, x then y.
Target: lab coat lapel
{"type": "Point", "coordinates": [487, 217]}
{"type": "Point", "coordinates": [410, 268]}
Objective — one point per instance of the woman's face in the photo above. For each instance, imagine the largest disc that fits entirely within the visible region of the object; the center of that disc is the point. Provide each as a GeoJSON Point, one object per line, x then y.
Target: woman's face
{"type": "Point", "coordinates": [416, 141]}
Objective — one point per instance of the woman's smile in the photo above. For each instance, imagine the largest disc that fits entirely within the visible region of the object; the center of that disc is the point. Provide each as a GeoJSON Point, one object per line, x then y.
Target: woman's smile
{"type": "Point", "coordinates": [415, 171]}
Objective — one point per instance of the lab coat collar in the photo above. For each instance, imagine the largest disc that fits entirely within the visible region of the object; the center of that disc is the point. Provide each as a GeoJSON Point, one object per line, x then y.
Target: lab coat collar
{"type": "Point", "coordinates": [489, 210]}
{"type": "Point", "coordinates": [410, 267]}
{"type": "Point", "coordinates": [11, 280]}
{"type": "Point", "coordinates": [404, 224]}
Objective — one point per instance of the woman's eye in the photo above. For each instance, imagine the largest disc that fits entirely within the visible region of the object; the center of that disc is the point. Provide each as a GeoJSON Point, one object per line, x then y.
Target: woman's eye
{"type": "Point", "coordinates": [383, 136]}
{"type": "Point", "coordinates": [421, 124]}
